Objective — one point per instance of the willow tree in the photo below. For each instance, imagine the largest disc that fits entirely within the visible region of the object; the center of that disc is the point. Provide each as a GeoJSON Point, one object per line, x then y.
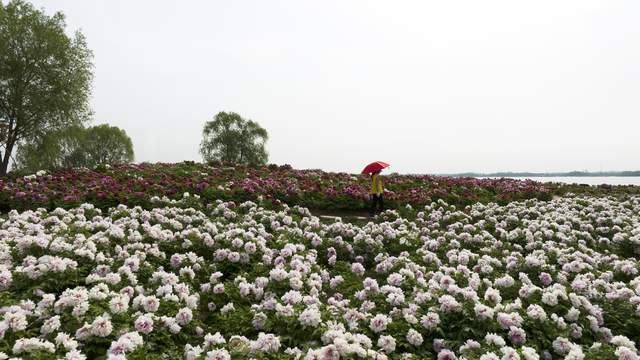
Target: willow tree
{"type": "Point", "coordinates": [76, 146]}
{"type": "Point", "coordinates": [45, 76]}
{"type": "Point", "coordinates": [105, 144]}
{"type": "Point", "coordinates": [54, 150]}
{"type": "Point", "coordinates": [230, 139]}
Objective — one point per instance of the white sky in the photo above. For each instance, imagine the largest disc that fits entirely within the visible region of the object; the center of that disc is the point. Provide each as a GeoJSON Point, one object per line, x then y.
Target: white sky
{"type": "Point", "coordinates": [446, 86]}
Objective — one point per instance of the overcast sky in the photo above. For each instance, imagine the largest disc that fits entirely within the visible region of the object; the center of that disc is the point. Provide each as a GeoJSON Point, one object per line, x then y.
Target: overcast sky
{"type": "Point", "coordinates": [446, 86]}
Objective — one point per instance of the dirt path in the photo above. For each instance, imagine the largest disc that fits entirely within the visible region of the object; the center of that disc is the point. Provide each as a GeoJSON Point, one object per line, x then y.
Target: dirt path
{"type": "Point", "coordinates": [344, 216]}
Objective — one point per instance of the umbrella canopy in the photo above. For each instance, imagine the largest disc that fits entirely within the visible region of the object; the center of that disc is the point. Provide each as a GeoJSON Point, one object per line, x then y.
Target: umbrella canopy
{"type": "Point", "coordinates": [374, 166]}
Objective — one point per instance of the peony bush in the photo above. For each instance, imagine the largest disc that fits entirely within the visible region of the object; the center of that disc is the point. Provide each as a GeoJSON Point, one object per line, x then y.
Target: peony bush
{"type": "Point", "coordinates": [135, 184]}
{"type": "Point", "coordinates": [197, 280]}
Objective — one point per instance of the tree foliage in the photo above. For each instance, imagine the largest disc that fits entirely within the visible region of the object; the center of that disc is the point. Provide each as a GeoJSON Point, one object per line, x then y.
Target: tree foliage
{"type": "Point", "coordinates": [45, 76]}
{"type": "Point", "coordinates": [230, 139]}
{"type": "Point", "coordinates": [106, 144]}
{"type": "Point", "coordinates": [76, 146]}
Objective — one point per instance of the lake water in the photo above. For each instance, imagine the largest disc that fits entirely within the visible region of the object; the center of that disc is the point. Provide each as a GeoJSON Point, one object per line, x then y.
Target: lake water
{"type": "Point", "coordinates": [591, 180]}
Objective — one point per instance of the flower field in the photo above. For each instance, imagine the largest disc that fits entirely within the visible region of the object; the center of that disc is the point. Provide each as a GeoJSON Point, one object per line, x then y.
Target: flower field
{"type": "Point", "coordinates": [195, 279]}
{"type": "Point", "coordinates": [135, 184]}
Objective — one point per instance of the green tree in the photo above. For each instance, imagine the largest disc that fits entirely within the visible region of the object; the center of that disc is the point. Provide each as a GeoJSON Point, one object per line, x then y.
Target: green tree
{"type": "Point", "coordinates": [45, 77]}
{"type": "Point", "coordinates": [230, 139]}
{"type": "Point", "coordinates": [106, 144]}
{"type": "Point", "coordinates": [76, 146]}
{"type": "Point", "coordinates": [54, 150]}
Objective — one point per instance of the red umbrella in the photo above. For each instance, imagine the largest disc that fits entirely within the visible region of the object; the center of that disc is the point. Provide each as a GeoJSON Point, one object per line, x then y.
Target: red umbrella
{"type": "Point", "coordinates": [374, 166]}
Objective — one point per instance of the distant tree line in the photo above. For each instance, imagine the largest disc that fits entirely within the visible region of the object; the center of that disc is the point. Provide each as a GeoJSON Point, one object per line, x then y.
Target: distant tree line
{"type": "Point", "coordinates": [550, 174]}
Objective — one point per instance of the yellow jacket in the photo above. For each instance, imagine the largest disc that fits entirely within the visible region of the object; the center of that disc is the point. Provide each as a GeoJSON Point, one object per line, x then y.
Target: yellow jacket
{"type": "Point", "coordinates": [376, 185]}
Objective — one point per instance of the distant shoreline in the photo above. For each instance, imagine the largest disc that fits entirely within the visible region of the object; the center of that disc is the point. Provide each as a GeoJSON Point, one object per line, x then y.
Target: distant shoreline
{"type": "Point", "coordinates": [561, 174]}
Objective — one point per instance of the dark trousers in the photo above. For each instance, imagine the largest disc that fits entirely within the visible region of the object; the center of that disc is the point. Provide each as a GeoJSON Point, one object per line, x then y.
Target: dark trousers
{"type": "Point", "coordinates": [376, 202]}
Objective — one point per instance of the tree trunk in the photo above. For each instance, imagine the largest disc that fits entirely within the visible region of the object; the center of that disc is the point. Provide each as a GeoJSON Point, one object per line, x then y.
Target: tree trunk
{"type": "Point", "coordinates": [8, 149]}
{"type": "Point", "coordinates": [4, 167]}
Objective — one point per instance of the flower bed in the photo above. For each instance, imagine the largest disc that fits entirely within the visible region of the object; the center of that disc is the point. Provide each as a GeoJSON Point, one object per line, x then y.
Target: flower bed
{"type": "Point", "coordinates": [527, 280]}
{"type": "Point", "coordinates": [135, 184]}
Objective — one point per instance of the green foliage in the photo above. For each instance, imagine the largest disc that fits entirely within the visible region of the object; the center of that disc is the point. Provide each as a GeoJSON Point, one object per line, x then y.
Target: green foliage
{"type": "Point", "coordinates": [231, 139]}
{"type": "Point", "coordinates": [107, 145]}
{"type": "Point", "coordinates": [76, 146]}
{"type": "Point", "coordinates": [45, 76]}
{"type": "Point", "coordinates": [54, 150]}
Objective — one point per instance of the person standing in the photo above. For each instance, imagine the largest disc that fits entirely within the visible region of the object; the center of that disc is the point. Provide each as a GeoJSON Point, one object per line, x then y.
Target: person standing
{"type": "Point", "coordinates": [377, 203]}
